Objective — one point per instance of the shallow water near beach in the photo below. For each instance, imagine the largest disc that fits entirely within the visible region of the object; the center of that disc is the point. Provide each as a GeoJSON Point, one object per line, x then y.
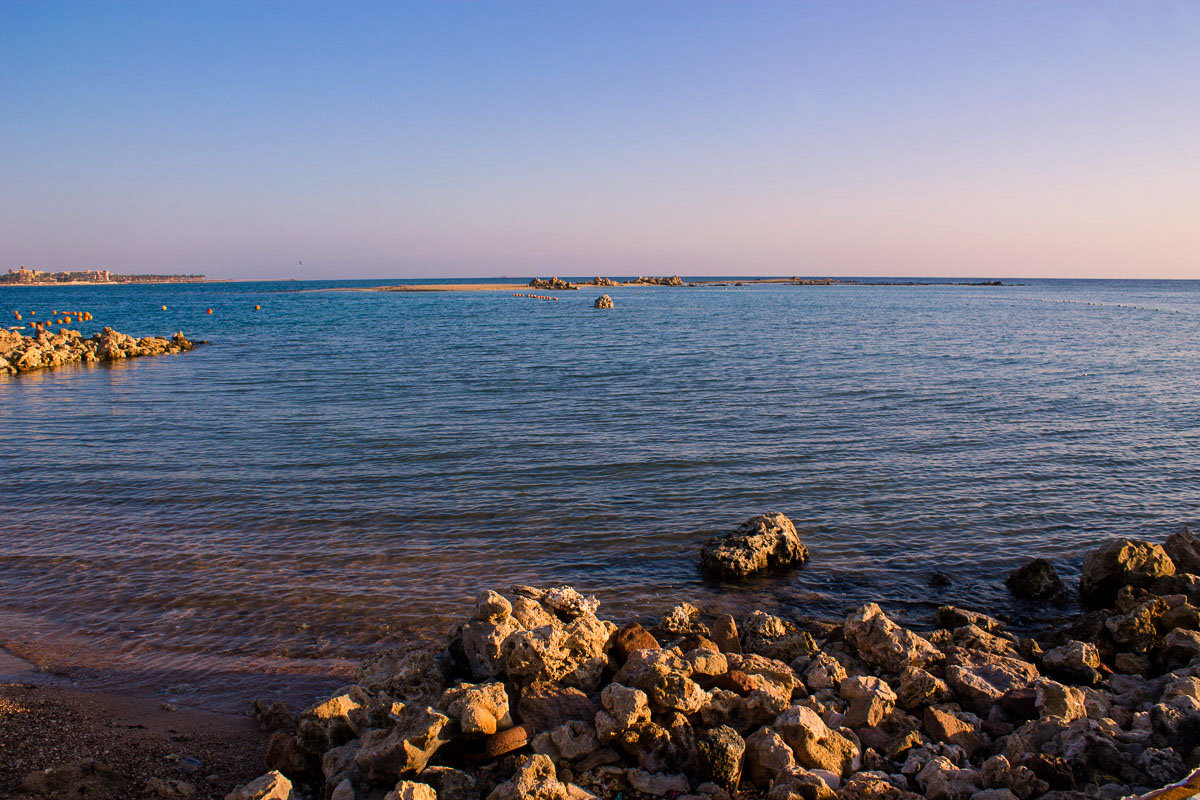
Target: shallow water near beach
{"type": "Point", "coordinates": [343, 469]}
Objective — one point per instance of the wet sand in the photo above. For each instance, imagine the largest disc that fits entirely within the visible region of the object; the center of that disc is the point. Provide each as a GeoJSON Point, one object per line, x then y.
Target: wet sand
{"type": "Point", "coordinates": [143, 745]}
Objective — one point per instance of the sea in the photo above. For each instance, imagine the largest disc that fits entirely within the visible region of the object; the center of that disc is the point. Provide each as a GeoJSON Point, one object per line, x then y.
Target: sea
{"type": "Point", "coordinates": [337, 470]}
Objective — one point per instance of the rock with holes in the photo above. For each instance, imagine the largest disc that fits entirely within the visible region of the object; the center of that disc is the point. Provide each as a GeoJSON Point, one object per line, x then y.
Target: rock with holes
{"type": "Point", "coordinates": [883, 643]}
{"type": "Point", "coordinates": [761, 544]}
{"type": "Point", "coordinates": [1123, 562]}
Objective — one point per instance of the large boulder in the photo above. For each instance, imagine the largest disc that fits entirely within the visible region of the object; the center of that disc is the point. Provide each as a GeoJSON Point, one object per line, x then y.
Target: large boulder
{"type": "Point", "coordinates": [335, 720]}
{"type": "Point", "coordinates": [813, 743]}
{"type": "Point", "coordinates": [980, 679]}
{"type": "Point", "coordinates": [767, 757]}
{"type": "Point", "coordinates": [1184, 551]}
{"type": "Point", "coordinates": [545, 705]}
{"type": "Point", "coordinates": [603, 301]}
{"type": "Point", "coordinates": [479, 709]}
{"type": "Point", "coordinates": [718, 757]}
{"type": "Point", "coordinates": [883, 643]}
{"type": "Point", "coordinates": [760, 544]}
{"type": "Point", "coordinates": [406, 748]}
{"type": "Point", "coordinates": [1123, 562]}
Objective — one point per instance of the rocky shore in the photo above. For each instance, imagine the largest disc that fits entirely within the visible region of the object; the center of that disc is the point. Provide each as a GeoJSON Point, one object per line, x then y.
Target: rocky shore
{"type": "Point", "coordinates": [19, 353]}
{"type": "Point", "coordinates": [534, 695]}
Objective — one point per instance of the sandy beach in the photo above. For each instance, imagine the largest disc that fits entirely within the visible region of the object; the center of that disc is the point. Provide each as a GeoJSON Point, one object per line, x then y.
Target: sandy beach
{"type": "Point", "coordinates": [115, 745]}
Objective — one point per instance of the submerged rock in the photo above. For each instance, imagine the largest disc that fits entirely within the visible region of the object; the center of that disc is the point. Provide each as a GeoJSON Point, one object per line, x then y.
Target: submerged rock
{"type": "Point", "coordinates": [1036, 579]}
{"type": "Point", "coordinates": [763, 543]}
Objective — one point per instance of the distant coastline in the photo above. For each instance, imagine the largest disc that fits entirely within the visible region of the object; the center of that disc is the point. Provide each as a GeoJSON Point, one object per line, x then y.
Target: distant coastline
{"type": "Point", "coordinates": [87, 277]}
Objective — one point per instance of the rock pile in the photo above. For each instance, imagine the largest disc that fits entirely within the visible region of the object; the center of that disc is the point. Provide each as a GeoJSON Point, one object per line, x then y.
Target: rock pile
{"type": "Point", "coordinates": [603, 301]}
{"type": "Point", "coordinates": [598, 281]}
{"type": "Point", "coordinates": [674, 280]}
{"type": "Point", "coordinates": [553, 284]}
{"type": "Point", "coordinates": [27, 353]}
{"type": "Point", "coordinates": [535, 696]}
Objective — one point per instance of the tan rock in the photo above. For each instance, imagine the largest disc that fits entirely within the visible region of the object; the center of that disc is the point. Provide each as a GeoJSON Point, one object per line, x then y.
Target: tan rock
{"type": "Point", "coordinates": [812, 742]}
{"type": "Point", "coordinates": [411, 790]}
{"type": "Point", "coordinates": [725, 634]}
{"type": "Point", "coordinates": [883, 643]}
{"type": "Point", "coordinates": [1122, 562]}
{"type": "Point", "coordinates": [479, 709]}
{"type": "Point", "coordinates": [535, 779]}
{"type": "Point", "coordinates": [768, 757]}
{"type": "Point", "coordinates": [762, 543]}
{"type": "Point", "coordinates": [272, 786]}
{"type": "Point", "coordinates": [406, 747]}
{"type": "Point", "coordinates": [979, 679]}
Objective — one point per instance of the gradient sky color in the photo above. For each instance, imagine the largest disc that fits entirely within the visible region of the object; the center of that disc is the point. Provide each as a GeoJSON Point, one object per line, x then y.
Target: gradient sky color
{"type": "Point", "coordinates": [576, 138]}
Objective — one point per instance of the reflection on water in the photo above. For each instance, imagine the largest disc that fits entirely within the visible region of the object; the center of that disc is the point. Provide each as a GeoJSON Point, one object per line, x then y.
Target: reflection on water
{"type": "Point", "coordinates": [345, 468]}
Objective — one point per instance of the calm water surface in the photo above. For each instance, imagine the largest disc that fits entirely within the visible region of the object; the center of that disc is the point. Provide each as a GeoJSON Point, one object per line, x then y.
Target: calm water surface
{"type": "Point", "coordinates": [344, 468]}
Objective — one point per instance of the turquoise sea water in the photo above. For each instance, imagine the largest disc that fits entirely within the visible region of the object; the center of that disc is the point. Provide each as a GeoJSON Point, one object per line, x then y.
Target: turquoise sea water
{"type": "Point", "coordinates": [344, 468]}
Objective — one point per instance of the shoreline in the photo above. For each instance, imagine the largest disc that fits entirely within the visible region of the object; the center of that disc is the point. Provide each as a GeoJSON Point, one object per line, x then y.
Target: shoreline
{"type": "Point", "coordinates": [111, 283]}
{"type": "Point", "coordinates": [534, 694]}
{"type": "Point", "coordinates": [70, 740]}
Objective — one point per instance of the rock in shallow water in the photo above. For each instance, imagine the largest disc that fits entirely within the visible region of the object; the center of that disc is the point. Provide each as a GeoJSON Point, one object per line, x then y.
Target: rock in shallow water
{"type": "Point", "coordinates": [764, 543]}
{"type": "Point", "coordinates": [1037, 579]}
{"type": "Point", "coordinates": [1124, 562]}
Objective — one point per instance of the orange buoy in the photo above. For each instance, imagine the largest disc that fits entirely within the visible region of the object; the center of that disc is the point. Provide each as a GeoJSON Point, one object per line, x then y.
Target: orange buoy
{"type": "Point", "coordinates": [258, 308]}
{"type": "Point", "coordinates": [164, 308]}
{"type": "Point", "coordinates": [206, 312]}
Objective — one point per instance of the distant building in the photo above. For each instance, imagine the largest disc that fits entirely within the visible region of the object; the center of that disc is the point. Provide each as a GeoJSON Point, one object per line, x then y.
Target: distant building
{"type": "Point", "coordinates": [23, 275]}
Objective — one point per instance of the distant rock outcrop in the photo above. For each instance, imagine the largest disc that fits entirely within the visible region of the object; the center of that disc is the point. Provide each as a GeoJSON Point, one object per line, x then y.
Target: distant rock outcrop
{"type": "Point", "coordinates": [553, 284]}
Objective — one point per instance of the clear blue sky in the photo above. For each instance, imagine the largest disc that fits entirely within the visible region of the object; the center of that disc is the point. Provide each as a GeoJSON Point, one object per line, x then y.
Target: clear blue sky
{"type": "Point", "coordinates": [491, 138]}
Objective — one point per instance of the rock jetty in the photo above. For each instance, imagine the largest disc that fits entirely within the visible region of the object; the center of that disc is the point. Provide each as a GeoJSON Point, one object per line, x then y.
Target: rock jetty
{"type": "Point", "coordinates": [674, 280]}
{"type": "Point", "coordinates": [552, 284]}
{"type": "Point", "coordinates": [603, 301]}
{"type": "Point", "coordinates": [535, 696]}
{"type": "Point", "coordinates": [20, 353]}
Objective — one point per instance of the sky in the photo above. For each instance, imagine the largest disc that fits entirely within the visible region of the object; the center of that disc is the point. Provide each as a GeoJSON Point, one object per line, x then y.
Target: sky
{"type": "Point", "coordinates": [403, 140]}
